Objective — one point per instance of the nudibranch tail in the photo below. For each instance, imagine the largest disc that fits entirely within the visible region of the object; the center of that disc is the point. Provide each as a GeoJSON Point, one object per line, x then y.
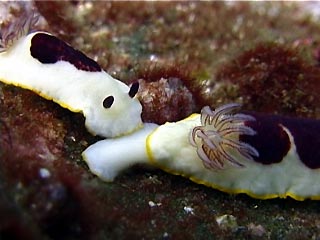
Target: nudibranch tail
{"type": "Point", "coordinates": [18, 29]}
{"type": "Point", "coordinates": [217, 139]}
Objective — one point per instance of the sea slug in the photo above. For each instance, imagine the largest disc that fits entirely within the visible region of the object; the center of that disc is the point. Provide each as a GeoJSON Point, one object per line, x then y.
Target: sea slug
{"type": "Point", "coordinates": [264, 156]}
{"type": "Point", "coordinates": [48, 66]}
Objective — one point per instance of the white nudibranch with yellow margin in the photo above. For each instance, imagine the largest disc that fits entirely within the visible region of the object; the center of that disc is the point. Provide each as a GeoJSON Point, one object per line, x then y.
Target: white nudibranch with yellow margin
{"type": "Point", "coordinates": [264, 156]}
{"type": "Point", "coordinates": [48, 66]}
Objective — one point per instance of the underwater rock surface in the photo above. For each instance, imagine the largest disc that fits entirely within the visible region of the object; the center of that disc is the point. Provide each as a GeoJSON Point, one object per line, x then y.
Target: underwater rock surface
{"type": "Point", "coordinates": [186, 55]}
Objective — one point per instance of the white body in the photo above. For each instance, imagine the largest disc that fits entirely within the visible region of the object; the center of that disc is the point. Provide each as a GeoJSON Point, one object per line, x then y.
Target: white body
{"type": "Point", "coordinates": [168, 148]}
{"type": "Point", "coordinates": [77, 90]}
{"type": "Point", "coordinates": [107, 158]}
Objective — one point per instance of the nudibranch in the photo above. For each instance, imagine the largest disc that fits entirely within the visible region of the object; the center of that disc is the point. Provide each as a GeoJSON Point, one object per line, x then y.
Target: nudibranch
{"type": "Point", "coordinates": [264, 156]}
{"type": "Point", "coordinates": [50, 67]}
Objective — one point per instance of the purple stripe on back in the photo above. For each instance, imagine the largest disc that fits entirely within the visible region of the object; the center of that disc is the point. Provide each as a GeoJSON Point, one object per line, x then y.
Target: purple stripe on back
{"type": "Point", "coordinates": [49, 49]}
{"type": "Point", "coordinates": [272, 142]}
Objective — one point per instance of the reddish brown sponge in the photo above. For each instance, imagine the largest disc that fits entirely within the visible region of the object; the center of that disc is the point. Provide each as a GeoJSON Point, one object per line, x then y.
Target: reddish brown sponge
{"type": "Point", "coordinates": [273, 78]}
{"type": "Point", "coordinates": [164, 93]}
{"type": "Point", "coordinates": [165, 100]}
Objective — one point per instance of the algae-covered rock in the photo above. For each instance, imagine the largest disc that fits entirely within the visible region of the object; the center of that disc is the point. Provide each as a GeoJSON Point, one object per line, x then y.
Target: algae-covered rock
{"type": "Point", "coordinates": [185, 55]}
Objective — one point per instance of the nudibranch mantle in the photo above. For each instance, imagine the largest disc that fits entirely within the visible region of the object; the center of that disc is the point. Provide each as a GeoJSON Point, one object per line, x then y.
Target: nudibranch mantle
{"type": "Point", "coordinates": [172, 148]}
{"type": "Point", "coordinates": [46, 65]}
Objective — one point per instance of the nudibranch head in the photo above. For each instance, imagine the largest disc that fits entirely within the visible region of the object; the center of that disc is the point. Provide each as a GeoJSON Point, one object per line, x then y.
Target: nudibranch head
{"type": "Point", "coordinates": [217, 139]}
{"type": "Point", "coordinates": [116, 113]}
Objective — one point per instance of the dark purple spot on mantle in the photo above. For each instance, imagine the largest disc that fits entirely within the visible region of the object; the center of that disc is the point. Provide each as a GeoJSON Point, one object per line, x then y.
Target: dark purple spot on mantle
{"type": "Point", "coordinates": [307, 140]}
{"type": "Point", "coordinates": [270, 140]}
{"type": "Point", "coordinates": [273, 143]}
{"type": "Point", "coordinates": [49, 49]}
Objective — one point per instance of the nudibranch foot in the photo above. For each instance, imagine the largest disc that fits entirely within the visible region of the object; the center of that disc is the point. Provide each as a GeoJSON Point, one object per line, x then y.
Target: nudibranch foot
{"type": "Point", "coordinates": [107, 158]}
{"type": "Point", "coordinates": [217, 139]}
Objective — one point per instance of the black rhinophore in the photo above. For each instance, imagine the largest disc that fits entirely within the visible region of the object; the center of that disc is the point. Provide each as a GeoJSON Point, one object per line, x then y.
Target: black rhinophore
{"type": "Point", "coordinates": [133, 89]}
